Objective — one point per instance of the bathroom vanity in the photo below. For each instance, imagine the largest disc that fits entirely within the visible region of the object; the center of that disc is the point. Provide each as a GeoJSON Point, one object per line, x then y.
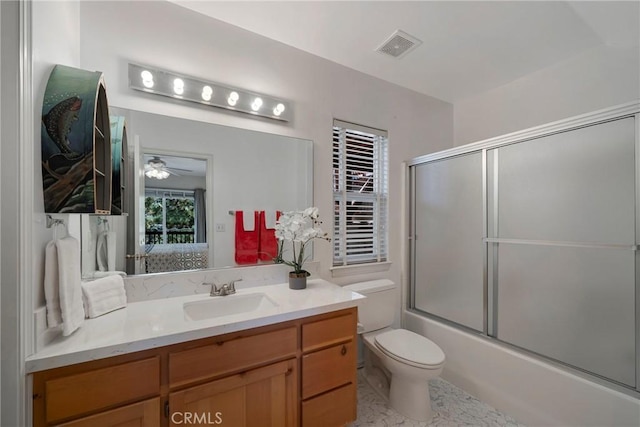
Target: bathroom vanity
{"type": "Point", "coordinates": [287, 363]}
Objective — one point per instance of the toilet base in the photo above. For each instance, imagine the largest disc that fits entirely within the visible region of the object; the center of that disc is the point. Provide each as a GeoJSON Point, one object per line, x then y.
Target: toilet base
{"type": "Point", "coordinates": [379, 382]}
{"type": "Point", "coordinates": [411, 398]}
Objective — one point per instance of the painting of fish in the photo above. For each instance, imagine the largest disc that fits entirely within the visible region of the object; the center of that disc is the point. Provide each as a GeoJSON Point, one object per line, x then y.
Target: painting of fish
{"type": "Point", "coordinates": [58, 121]}
{"type": "Point", "coordinates": [75, 143]}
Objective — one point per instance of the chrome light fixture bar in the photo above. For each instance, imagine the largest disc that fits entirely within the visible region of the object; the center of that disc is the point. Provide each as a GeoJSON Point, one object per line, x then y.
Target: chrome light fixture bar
{"type": "Point", "coordinates": [166, 83]}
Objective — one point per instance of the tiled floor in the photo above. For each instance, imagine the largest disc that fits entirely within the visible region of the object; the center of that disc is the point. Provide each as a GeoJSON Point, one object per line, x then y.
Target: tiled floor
{"type": "Point", "coordinates": [452, 407]}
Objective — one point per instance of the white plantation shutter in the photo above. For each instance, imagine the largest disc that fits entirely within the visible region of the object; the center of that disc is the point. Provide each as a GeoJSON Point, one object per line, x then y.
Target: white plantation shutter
{"type": "Point", "coordinates": [360, 194]}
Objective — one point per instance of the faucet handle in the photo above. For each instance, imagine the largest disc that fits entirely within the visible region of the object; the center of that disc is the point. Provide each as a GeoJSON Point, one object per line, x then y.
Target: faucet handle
{"type": "Point", "coordinates": [232, 285]}
{"type": "Point", "coordinates": [214, 289]}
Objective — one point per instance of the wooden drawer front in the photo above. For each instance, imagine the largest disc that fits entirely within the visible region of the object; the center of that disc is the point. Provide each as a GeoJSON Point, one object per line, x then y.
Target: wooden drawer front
{"type": "Point", "coordinates": [78, 394]}
{"type": "Point", "coordinates": [329, 331]}
{"type": "Point", "coordinates": [143, 414]}
{"type": "Point", "coordinates": [327, 369]}
{"type": "Point", "coordinates": [232, 355]}
{"type": "Point", "coordinates": [333, 409]}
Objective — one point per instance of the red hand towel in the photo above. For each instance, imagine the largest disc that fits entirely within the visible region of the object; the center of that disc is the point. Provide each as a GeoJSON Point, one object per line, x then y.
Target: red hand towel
{"type": "Point", "coordinates": [246, 241]}
{"type": "Point", "coordinates": [268, 241]}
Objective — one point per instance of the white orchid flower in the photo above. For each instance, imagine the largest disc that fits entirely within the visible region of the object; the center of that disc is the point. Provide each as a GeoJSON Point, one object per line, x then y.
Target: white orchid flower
{"type": "Point", "coordinates": [298, 227]}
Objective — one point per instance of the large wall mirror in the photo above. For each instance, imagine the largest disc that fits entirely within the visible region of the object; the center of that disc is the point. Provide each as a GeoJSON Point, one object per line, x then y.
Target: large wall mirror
{"type": "Point", "coordinates": [187, 180]}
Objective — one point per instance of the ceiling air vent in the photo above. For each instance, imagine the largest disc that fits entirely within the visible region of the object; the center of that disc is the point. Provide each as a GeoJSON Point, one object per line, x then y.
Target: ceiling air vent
{"type": "Point", "coordinates": [399, 44]}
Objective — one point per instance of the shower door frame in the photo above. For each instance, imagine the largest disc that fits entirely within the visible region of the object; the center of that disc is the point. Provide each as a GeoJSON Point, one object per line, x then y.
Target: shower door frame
{"type": "Point", "coordinates": [628, 110]}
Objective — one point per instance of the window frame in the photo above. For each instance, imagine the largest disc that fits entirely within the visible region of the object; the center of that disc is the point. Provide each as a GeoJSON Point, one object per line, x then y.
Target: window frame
{"type": "Point", "coordinates": [357, 146]}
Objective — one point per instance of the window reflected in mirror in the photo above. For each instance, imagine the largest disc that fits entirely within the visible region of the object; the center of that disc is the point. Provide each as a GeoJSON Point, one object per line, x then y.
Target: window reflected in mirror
{"type": "Point", "coordinates": [174, 213]}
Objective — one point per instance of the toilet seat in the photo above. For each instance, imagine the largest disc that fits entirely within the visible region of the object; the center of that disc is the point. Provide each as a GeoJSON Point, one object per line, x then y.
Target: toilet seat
{"type": "Point", "coordinates": [410, 348]}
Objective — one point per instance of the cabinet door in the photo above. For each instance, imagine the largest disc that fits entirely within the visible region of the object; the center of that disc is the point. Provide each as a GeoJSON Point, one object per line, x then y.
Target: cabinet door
{"type": "Point", "coordinates": [261, 397]}
{"type": "Point", "coordinates": [143, 414]}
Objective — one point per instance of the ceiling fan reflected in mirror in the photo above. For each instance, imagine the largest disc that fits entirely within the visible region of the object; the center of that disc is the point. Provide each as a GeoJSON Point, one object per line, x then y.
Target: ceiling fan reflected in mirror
{"type": "Point", "coordinates": [158, 169]}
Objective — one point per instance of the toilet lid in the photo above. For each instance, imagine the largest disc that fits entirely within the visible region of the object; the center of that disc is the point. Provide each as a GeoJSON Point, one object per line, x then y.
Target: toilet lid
{"type": "Point", "coordinates": [411, 347]}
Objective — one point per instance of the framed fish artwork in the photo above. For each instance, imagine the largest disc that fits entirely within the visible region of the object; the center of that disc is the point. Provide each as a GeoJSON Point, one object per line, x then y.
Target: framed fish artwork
{"type": "Point", "coordinates": [76, 143]}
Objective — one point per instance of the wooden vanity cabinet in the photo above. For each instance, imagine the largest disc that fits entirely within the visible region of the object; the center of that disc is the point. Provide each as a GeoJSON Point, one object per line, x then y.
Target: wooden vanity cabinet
{"type": "Point", "coordinates": [301, 372]}
{"type": "Point", "coordinates": [329, 358]}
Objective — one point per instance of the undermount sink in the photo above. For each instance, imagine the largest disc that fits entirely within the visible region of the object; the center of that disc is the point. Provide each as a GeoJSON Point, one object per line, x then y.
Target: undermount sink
{"type": "Point", "coordinates": [227, 306]}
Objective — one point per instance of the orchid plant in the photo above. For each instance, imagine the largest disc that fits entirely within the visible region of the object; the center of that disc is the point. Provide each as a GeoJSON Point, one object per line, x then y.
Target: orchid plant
{"type": "Point", "coordinates": [300, 228]}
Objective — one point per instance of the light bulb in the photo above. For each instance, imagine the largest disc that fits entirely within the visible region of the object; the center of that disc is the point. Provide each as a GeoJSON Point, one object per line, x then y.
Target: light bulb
{"type": "Point", "coordinates": [157, 174]}
{"type": "Point", "coordinates": [178, 86]}
{"type": "Point", "coordinates": [206, 93]}
{"type": "Point", "coordinates": [233, 98]}
{"type": "Point", "coordinates": [278, 109]}
{"type": "Point", "coordinates": [257, 103]}
{"type": "Point", "coordinates": [147, 78]}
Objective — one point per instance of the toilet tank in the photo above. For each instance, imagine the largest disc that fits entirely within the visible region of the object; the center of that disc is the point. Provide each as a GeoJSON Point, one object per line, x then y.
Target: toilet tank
{"type": "Point", "coordinates": [378, 309]}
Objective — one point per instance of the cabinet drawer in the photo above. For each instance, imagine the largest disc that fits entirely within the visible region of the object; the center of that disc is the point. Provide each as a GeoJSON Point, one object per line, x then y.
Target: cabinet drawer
{"type": "Point", "coordinates": [235, 354]}
{"type": "Point", "coordinates": [142, 414]}
{"type": "Point", "coordinates": [332, 409]}
{"type": "Point", "coordinates": [78, 394]}
{"type": "Point", "coordinates": [327, 369]}
{"type": "Point", "coordinates": [329, 331]}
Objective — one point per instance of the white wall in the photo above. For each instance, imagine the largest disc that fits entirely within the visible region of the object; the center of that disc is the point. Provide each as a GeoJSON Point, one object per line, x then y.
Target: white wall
{"type": "Point", "coordinates": [598, 78]}
{"type": "Point", "coordinates": [167, 36]}
{"type": "Point", "coordinates": [55, 40]}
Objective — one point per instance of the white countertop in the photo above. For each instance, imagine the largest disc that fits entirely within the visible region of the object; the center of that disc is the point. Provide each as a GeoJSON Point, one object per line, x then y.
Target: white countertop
{"type": "Point", "coordinates": [156, 323]}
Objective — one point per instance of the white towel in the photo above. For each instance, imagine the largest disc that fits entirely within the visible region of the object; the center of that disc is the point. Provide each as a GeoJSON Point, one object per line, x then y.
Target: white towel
{"type": "Point", "coordinates": [104, 295]}
{"type": "Point", "coordinates": [270, 219]}
{"type": "Point", "coordinates": [111, 250]}
{"type": "Point", "coordinates": [62, 288]}
{"type": "Point", "coordinates": [51, 285]}
{"type": "Point", "coordinates": [249, 220]}
{"type": "Point", "coordinates": [106, 251]}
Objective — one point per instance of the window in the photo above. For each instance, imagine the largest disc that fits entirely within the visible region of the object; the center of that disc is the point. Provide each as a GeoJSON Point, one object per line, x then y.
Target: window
{"type": "Point", "coordinates": [169, 217]}
{"type": "Point", "coordinates": [360, 194]}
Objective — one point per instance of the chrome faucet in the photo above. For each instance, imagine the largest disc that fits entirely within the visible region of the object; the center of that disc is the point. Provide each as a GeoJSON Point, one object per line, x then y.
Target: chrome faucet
{"type": "Point", "coordinates": [223, 290]}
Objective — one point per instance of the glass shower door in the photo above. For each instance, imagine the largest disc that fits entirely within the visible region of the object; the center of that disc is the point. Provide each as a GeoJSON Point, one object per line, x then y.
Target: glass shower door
{"type": "Point", "coordinates": [448, 249]}
{"type": "Point", "coordinates": [561, 254]}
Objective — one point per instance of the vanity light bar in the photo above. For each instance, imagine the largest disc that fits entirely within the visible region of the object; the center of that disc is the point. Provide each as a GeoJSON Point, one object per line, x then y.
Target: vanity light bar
{"type": "Point", "coordinates": [166, 83]}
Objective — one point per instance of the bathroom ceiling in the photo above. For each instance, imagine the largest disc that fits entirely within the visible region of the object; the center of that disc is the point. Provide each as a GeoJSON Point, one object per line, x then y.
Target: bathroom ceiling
{"type": "Point", "coordinates": [467, 47]}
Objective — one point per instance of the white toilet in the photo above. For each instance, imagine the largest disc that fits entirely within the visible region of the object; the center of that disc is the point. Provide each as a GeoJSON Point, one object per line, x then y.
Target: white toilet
{"type": "Point", "coordinates": [408, 360]}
